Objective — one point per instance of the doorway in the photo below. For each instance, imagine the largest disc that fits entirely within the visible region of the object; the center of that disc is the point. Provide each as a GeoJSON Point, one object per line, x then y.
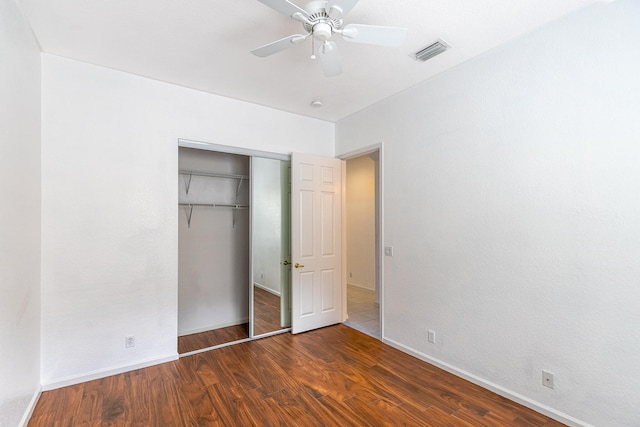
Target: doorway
{"type": "Point", "coordinates": [363, 296]}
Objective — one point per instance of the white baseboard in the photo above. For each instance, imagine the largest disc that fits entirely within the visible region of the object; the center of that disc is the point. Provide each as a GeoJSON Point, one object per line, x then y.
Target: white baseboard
{"type": "Point", "coordinates": [266, 288]}
{"type": "Point", "coordinates": [32, 405]}
{"type": "Point", "coordinates": [502, 391]}
{"type": "Point", "coordinates": [355, 285]}
{"type": "Point", "coordinates": [212, 327]}
{"type": "Point", "coordinates": [107, 372]}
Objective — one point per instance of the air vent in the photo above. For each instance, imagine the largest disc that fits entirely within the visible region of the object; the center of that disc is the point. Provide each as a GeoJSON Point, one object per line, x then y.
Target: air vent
{"type": "Point", "coordinates": [432, 50]}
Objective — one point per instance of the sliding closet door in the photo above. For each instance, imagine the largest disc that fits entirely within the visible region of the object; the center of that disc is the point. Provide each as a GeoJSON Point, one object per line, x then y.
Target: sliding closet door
{"type": "Point", "coordinates": [270, 245]}
{"type": "Point", "coordinates": [316, 239]}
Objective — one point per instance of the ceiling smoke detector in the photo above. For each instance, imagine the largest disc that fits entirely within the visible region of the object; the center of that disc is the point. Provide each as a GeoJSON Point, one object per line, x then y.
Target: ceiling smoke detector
{"type": "Point", "coordinates": [317, 103]}
{"type": "Point", "coordinates": [435, 48]}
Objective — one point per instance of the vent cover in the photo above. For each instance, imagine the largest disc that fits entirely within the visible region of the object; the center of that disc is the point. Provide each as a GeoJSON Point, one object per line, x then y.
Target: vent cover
{"type": "Point", "coordinates": [430, 51]}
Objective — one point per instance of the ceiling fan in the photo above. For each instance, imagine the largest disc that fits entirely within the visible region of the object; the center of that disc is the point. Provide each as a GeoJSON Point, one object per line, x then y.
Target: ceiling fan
{"type": "Point", "coordinates": [321, 19]}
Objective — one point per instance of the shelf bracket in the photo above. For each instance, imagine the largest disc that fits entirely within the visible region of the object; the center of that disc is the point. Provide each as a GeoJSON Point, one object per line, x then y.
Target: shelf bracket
{"type": "Point", "coordinates": [188, 183]}
{"type": "Point", "coordinates": [189, 215]}
{"type": "Point", "coordinates": [238, 188]}
{"type": "Point", "coordinates": [236, 200]}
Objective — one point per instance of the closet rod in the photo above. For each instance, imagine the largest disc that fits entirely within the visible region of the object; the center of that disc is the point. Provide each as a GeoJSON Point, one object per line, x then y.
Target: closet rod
{"type": "Point", "coordinates": [214, 175]}
{"type": "Point", "coordinates": [216, 205]}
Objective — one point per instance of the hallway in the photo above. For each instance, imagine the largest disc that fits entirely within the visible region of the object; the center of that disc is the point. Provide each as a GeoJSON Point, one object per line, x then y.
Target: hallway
{"type": "Point", "coordinates": [364, 313]}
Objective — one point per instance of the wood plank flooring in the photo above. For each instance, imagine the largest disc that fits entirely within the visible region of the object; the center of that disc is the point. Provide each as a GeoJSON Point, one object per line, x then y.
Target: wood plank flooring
{"type": "Point", "coordinates": [266, 319]}
{"type": "Point", "coordinates": [266, 311]}
{"type": "Point", "coordinates": [200, 340]}
{"type": "Point", "coordinates": [335, 376]}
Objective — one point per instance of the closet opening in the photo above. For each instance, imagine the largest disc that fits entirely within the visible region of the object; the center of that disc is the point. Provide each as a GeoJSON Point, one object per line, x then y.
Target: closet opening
{"type": "Point", "coordinates": [234, 276]}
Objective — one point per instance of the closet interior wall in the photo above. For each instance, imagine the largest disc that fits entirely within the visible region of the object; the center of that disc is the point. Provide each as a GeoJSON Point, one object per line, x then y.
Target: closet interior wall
{"type": "Point", "coordinates": [213, 269]}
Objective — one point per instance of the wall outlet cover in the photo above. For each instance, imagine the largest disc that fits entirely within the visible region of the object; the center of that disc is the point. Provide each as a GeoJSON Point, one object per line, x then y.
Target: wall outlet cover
{"type": "Point", "coordinates": [547, 379]}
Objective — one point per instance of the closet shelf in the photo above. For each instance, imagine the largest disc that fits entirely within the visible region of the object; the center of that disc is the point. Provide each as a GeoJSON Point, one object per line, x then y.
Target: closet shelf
{"type": "Point", "coordinates": [241, 178]}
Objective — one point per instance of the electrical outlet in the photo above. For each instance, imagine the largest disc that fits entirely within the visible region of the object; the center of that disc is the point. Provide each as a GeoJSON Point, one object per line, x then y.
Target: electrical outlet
{"type": "Point", "coordinates": [547, 379]}
{"type": "Point", "coordinates": [130, 341]}
{"type": "Point", "coordinates": [388, 250]}
{"type": "Point", "coordinates": [431, 336]}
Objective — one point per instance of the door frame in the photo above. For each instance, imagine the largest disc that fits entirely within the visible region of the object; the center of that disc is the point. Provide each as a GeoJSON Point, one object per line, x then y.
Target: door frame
{"type": "Point", "coordinates": [379, 187]}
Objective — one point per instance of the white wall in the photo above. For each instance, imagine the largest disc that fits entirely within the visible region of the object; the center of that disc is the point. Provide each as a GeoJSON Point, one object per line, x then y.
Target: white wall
{"type": "Point", "coordinates": [19, 215]}
{"type": "Point", "coordinates": [213, 260]}
{"type": "Point", "coordinates": [267, 223]}
{"type": "Point", "coordinates": [361, 210]}
{"type": "Point", "coordinates": [512, 200]}
{"type": "Point", "coordinates": [109, 207]}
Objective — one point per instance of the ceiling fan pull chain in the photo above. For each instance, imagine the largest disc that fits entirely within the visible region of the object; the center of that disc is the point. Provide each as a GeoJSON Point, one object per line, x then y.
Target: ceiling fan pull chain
{"type": "Point", "coordinates": [313, 48]}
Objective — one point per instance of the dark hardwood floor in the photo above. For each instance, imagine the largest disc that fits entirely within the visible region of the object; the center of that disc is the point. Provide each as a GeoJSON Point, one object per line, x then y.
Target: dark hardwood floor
{"type": "Point", "coordinates": [266, 311]}
{"type": "Point", "coordinates": [192, 342]}
{"type": "Point", "coordinates": [334, 376]}
{"type": "Point", "coordinates": [266, 319]}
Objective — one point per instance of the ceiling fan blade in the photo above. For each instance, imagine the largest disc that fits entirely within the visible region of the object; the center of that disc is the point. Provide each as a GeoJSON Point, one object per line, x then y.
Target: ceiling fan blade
{"type": "Point", "coordinates": [284, 6]}
{"type": "Point", "coordinates": [374, 34]}
{"type": "Point", "coordinates": [277, 46]}
{"type": "Point", "coordinates": [338, 8]}
{"type": "Point", "coordinates": [330, 59]}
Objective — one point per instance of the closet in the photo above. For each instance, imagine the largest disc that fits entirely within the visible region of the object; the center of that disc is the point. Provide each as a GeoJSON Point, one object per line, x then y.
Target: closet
{"type": "Point", "coordinates": [233, 270]}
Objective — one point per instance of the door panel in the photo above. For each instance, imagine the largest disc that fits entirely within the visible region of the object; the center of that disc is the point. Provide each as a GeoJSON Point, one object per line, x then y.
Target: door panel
{"type": "Point", "coordinates": [328, 242]}
{"type": "Point", "coordinates": [306, 294]}
{"type": "Point", "coordinates": [328, 290]}
{"type": "Point", "coordinates": [316, 242]}
{"type": "Point", "coordinates": [306, 224]}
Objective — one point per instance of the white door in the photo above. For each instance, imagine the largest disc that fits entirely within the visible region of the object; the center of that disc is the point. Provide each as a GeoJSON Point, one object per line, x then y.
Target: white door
{"type": "Point", "coordinates": [316, 242]}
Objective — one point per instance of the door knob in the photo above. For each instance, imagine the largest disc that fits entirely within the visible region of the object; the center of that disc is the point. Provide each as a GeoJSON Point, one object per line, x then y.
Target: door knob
{"type": "Point", "coordinates": [285, 262]}
{"type": "Point", "coordinates": [298, 265]}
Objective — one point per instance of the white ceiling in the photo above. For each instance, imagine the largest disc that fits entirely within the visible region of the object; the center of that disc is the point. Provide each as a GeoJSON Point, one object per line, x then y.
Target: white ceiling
{"type": "Point", "coordinates": [205, 44]}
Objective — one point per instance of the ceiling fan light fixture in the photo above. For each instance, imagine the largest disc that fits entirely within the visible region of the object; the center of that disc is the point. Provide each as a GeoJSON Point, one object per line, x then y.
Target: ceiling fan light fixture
{"type": "Point", "coordinates": [322, 31]}
{"type": "Point", "coordinates": [435, 48]}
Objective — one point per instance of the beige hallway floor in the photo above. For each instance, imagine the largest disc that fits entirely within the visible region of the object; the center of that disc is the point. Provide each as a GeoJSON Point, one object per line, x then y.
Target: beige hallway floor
{"type": "Point", "coordinates": [364, 314]}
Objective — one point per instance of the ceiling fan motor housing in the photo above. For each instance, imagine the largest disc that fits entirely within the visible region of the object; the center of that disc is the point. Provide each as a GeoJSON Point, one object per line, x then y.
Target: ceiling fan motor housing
{"type": "Point", "coordinates": [320, 23]}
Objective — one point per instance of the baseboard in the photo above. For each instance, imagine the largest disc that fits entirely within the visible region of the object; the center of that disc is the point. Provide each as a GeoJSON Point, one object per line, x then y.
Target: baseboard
{"type": "Point", "coordinates": [212, 327]}
{"type": "Point", "coordinates": [502, 391]}
{"type": "Point", "coordinates": [355, 285]}
{"type": "Point", "coordinates": [266, 288]}
{"type": "Point", "coordinates": [32, 405]}
{"type": "Point", "coordinates": [107, 372]}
